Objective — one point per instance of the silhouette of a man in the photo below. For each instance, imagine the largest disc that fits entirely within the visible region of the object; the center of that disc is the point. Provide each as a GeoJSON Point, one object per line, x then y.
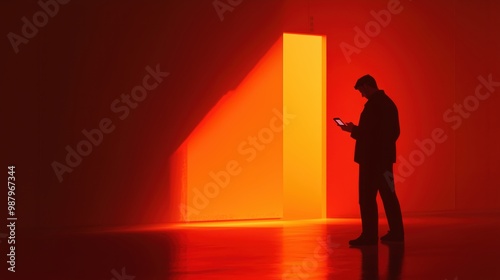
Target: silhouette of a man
{"type": "Point", "coordinates": [375, 152]}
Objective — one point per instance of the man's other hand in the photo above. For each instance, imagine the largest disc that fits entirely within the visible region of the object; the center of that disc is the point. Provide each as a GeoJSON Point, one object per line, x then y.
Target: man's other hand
{"type": "Point", "coordinates": [348, 127]}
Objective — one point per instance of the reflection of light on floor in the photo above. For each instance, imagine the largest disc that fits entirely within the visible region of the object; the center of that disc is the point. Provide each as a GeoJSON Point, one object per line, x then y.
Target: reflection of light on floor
{"type": "Point", "coordinates": [438, 246]}
{"type": "Point", "coordinates": [267, 223]}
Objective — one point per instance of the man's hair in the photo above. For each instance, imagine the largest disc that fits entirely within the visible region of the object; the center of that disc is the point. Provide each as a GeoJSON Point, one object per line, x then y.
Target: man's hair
{"type": "Point", "coordinates": [366, 80]}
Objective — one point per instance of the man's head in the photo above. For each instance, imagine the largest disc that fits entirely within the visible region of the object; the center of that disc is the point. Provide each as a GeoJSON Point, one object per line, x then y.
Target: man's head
{"type": "Point", "coordinates": [366, 85]}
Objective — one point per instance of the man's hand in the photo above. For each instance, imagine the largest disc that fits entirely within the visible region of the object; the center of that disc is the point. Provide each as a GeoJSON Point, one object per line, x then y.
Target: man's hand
{"type": "Point", "coordinates": [348, 127]}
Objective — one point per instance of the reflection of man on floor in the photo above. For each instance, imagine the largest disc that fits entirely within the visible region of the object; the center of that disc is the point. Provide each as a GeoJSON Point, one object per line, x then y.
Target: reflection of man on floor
{"type": "Point", "coordinates": [375, 152]}
{"type": "Point", "coordinates": [369, 261]}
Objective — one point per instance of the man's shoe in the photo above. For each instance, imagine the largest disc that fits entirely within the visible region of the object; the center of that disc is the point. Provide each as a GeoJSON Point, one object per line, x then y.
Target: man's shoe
{"type": "Point", "coordinates": [392, 237]}
{"type": "Point", "coordinates": [363, 241]}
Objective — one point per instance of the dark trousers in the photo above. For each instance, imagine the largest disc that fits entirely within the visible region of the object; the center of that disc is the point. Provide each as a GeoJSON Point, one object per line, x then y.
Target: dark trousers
{"type": "Point", "coordinates": [373, 179]}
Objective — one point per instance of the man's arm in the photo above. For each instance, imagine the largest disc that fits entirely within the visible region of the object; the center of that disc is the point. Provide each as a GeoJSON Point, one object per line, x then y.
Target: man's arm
{"type": "Point", "coordinates": [353, 129]}
{"type": "Point", "coordinates": [348, 127]}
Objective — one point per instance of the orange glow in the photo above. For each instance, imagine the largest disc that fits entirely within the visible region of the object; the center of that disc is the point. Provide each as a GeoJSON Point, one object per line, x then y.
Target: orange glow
{"type": "Point", "coordinates": [260, 151]}
{"type": "Point", "coordinates": [234, 156]}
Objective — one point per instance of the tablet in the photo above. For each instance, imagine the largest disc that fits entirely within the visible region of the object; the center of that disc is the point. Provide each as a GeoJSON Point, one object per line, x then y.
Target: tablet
{"type": "Point", "coordinates": [339, 122]}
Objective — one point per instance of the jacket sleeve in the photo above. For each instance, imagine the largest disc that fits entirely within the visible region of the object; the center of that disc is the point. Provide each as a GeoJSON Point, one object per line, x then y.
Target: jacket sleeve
{"type": "Point", "coordinates": [356, 132]}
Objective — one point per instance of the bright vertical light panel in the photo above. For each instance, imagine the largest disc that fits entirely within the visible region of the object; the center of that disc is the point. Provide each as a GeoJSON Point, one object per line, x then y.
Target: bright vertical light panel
{"type": "Point", "coordinates": [304, 147]}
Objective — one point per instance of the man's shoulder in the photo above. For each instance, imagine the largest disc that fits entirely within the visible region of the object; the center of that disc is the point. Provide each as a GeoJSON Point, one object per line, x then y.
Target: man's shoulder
{"type": "Point", "coordinates": [384, 97]}
{"type": "Point", "coordinates": [384, 101]}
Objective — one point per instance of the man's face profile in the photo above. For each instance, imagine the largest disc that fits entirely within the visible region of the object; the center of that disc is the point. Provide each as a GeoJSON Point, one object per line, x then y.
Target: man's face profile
{"type": "Point", "coordinates": [363, 90]}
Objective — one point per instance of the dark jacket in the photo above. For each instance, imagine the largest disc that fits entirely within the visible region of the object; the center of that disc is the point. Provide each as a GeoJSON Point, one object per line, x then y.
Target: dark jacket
{"type": "Point", "coordinates": [377, 131]}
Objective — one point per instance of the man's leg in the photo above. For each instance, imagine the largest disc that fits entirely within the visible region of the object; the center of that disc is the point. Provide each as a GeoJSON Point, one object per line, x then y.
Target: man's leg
{"type": "Point", "coordinates": [391, 202]}
{"type": "Point", "coordinates": [368, 201]}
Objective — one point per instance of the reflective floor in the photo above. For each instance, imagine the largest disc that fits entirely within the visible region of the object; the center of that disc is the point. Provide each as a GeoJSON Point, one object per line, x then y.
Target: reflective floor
{"type": "Point", "coordinates": [441, 247]}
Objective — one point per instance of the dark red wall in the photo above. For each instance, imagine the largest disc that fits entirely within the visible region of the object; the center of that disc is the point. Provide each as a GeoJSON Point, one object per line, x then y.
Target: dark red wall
{"type": "Point", "coordinates": [63, 81]}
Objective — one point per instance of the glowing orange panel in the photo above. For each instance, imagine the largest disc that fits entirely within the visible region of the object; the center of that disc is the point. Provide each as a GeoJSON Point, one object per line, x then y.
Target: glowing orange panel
{"type": "Point", "coordinates": [304, 149]}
